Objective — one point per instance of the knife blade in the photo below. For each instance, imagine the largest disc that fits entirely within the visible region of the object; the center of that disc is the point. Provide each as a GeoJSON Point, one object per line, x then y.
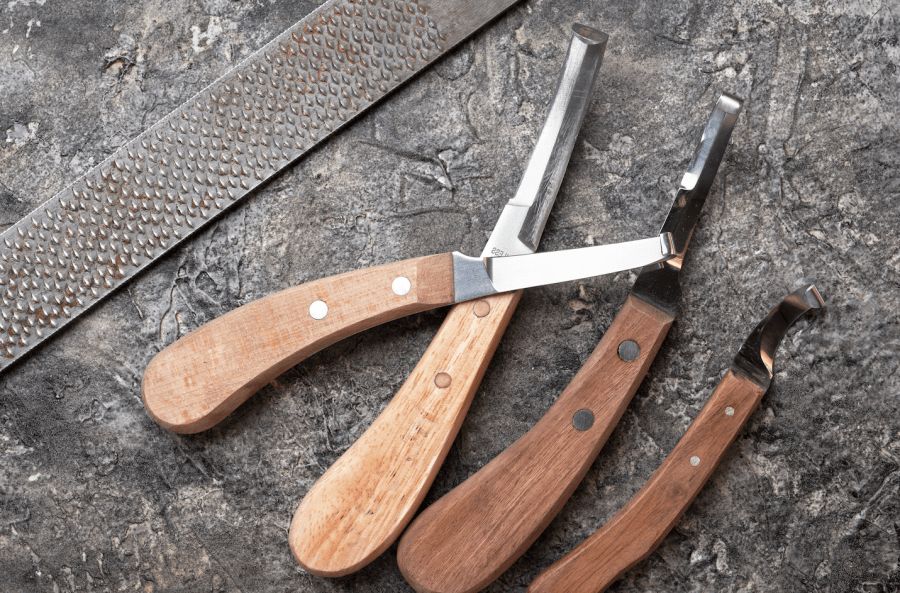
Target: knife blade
{"type": "Point", "coordinates": [361, 504]}
{"type": "Point", "coordinates": [638, 529]}
{"type": "Point", "coordinates": [470, 536]}
{"type": "Point", "coordinates": [173, 179]}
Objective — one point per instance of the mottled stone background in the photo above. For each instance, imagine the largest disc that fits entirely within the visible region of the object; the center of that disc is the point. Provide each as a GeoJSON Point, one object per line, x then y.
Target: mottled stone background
{"type": "Point", "coordinates": [96, 497]}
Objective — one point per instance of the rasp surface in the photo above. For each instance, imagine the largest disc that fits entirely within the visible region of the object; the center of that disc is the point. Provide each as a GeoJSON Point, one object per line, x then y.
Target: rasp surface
{"type": "Point", "coordinates": [191, 166]}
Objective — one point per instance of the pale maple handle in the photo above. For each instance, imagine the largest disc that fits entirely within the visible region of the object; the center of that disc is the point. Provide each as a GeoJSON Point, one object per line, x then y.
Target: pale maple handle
{"type": "Point", "coordinates": [198, 380]}
{"type": "Point", "coordinates": [359, 507]}
{"type": "Point", "coordinates": [635, 531]}
{"type": "Point", "coordinates": [470, 536]}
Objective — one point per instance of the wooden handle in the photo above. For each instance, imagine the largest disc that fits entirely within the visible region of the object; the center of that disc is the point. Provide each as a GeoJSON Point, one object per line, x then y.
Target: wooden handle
{"type": "Point", "coordinates": [467, 538]}
{"type": "Point", "coordinates": [641, 525]}
{"type": "Point", "coordinates": [361, 504]}
{"type": "Point", "coordinates": [201, 378]}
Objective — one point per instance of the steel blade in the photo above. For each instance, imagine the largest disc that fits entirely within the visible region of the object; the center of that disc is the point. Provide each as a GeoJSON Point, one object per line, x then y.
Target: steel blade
{"type": "Point", "coordinates": [160, 188]}
{"type": "Point", "coordinates": [755, 360]}
{"type": "Point", "coordinates": [659, 285]}
{"type": "Point", "coordinates": [475, 277]}
{"type": "Point", "coordinates": [539, 269]}
{"type": "Point", "coordinates": [519, 228]}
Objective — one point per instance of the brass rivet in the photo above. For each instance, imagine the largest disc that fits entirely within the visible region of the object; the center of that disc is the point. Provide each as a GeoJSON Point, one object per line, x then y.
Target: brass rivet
{"type": "Point", "coordinates": [481, 309]}
{"type": "Point", "coordinates": [442, 380]}
{"type": "Point", "coordinates": [629, 350]}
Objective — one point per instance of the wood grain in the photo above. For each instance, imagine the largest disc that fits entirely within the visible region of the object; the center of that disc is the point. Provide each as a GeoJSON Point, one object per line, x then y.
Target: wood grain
{"type": "Point", "coordinates": [201, 378]}
{"type": "Point", "coordinates": [635, 531]}
{"type": "Point", "coordinates": [470, 536]}
{"type": "Point", "coordinates": [358, 508]}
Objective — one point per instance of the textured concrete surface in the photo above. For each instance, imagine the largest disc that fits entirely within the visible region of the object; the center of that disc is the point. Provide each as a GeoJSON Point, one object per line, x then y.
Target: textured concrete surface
{"type": "Point", "coordinates": [95, 497]}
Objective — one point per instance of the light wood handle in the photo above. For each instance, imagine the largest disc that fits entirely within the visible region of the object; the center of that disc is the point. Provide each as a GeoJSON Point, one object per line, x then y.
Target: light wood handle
{"type": "Point", "coordinates": [358, 508]}
{"type": "Point", "coordinates": [635, 531]}
{"type": "Point", "coordinates": [470, 536]}
{"type": "Point", "coordinates": [201, 378]}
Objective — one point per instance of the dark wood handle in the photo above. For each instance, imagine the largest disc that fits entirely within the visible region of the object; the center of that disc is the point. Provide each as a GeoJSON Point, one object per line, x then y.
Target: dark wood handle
{"type": "Point", "coordinates": [635, 531]}
{"type": "Point", "coordinates": [361, 504]}
{"type": "Point", "coordinates": [470, 536]}
{"type": "Point", "coordinates": [201, 378]}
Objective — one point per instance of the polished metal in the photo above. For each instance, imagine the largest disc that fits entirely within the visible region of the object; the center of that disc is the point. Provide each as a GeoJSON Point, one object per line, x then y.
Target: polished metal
{"type": "Point", "coordinates": [574, 90]}
{"type": "Point", "coordinates": [519, 228]}
{"type": "Point", "coordinates": [174, 178]}
{"type": "Point", "coordinates": [470, 278]}
{"type": "Point", "coordinates": [522, 271]}
{"type": "Point", "coordinates": [695, 461]}
{"type": "Point", "coordinates": [583, 420]}
{"type": "Point", "coordinates": [757, 354]}
{"type": "Point", "coordinates": [629, 350]}
{"type": "Point", "coordinates": [476, 277]}
{"type": "Point", "coordinates": [659, 285]}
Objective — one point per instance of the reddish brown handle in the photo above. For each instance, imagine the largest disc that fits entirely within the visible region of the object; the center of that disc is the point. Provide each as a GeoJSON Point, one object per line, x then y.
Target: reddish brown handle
{"type": "Point", "coordinates": [361, 504]}
{"type": "Point", "coordinates": [201, 378]}
{"type": "Point", "coordinates": [641, 525]}
{"type": "Point", "coordinates": [467, 538]}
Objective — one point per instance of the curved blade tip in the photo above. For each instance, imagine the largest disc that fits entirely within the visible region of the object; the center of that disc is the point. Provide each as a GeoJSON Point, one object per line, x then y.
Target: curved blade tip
{"type": "Point", "coordinates": [589, 35]}
{"type": "Point", "coordinates": [667, 245]}
{"type": "Point", "coordinates": [812, 297]}
{"type": "Point", "coordinates": [729, 103]}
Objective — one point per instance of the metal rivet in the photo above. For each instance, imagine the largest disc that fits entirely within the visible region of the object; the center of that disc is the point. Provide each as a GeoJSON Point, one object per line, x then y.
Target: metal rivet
{"type": "Point", "coordinates": [442, 380]}
{"type": "Point", "coordinates": [729, 411]}
{"type": "Point", "coordinates": [629, 350]}
{"type": "Point", "coordinates": [583, 420]}
{"type": "Point", "coordinates": [481, 309]}
{"type": "Point", "coordinates": [695, 461]}
{"type": "Point", "coordinates": [401, 285]}
{"type": "Point", "coordinates": [318, 310]}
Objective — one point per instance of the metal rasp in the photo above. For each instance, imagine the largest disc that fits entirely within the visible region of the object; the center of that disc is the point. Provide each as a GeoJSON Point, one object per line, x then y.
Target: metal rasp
{"type": "Point", "coordinates": [158, 189]}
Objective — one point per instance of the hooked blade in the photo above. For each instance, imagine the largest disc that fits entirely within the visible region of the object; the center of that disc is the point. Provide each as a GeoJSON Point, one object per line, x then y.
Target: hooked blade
{"type": "Point", "coordinates": [160, 188]}
{"type": "Point", "coordinates": [757, 354]}
{"type": "Point", "coordinates": [658, 285]}
{"type": "Point", "coordinates": [519, 228]}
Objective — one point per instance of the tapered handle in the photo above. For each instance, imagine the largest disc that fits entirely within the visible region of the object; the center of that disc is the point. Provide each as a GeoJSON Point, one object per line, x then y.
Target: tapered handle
{"type": "Point", "coordinates": [635, 531]}
{"type": "Point", "coordinates": [360, 505]}
{"type": "Point", "coordinates": [467, 538]}
{"type": "Point", "coordinates": [201, 378]}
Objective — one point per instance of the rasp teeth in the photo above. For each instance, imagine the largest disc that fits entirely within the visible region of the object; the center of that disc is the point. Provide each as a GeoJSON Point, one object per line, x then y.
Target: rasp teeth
{"type": "Point", "coordinates": [195, 163]}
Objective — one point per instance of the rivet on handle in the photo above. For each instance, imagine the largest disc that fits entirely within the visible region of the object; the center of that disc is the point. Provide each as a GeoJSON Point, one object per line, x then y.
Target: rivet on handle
{"type": "Point", "coordinates": [583, 420]}
{"type": "Point", "coordinates": [629, 350]}
{"type": "Point", "coordinates": [318, 310]}
{"type": "Point", "coordinates": [401, 286]}
{"type": "Point", "coordinates": [442, 380]}
{"type": "Point", "coordinates": [481, 309]}
{"type": "Point", "coordinates": [695, 461]}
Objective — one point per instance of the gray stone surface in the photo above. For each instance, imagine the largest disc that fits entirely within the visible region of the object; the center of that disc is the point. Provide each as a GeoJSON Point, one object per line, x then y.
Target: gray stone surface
{"type": "Point", "coordinates": [95, 497]}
